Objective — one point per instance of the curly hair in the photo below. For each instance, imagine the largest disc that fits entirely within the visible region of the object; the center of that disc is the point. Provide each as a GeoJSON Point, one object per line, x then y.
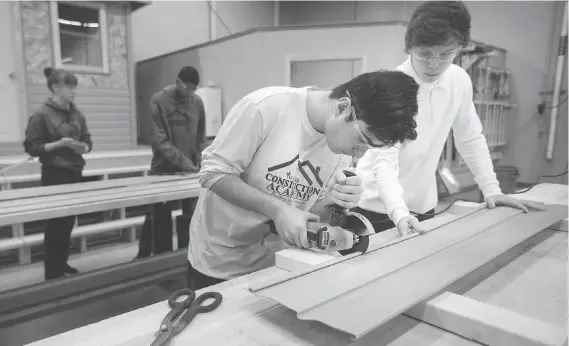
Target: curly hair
{"type": "Point", "coordinates": [386, 101]}
{"type": "Point", "coordinates": [437, 23]}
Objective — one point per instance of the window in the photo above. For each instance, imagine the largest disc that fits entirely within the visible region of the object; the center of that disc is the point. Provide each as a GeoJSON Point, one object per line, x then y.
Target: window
{"type": "Point", "coordinates": [80, 36]}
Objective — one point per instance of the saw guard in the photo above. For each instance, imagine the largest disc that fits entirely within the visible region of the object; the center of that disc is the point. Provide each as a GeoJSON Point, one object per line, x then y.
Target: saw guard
{"type": "Point", "coordinates": [360, 226]}
{"type": "Point", "coordinates": [357, 224]}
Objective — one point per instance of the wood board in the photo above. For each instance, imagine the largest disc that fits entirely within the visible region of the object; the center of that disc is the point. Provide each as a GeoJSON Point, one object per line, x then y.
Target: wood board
{"type": "Point", "coordinates": [244, 319]}
{"type": "Point", "coordinates": [361, 315]}
{"type": "Point", "coordinates": [490, 324]}
{"type": "Point", "coordinates": [64, 199]}
{"type": "Point", "coordinates": [34, 192]}
{"type": "Point", "coordinates": [380, 263]}
{"type": "Point", "coordinates": [549, 194]}
{"type": "Point", "coordinates": [259, 321]}
{"type": "Point", "coordinates": [77, 204]}
{"type": "Point", "coordinates": [485, 323]}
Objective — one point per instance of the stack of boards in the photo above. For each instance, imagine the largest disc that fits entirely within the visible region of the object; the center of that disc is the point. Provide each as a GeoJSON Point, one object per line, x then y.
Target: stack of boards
{"type": "Point", "coordinates": [39, 203]}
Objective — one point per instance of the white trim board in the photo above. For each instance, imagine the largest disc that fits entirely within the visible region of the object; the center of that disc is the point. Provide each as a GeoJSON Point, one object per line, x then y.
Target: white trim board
{"type": "Point", "coordinates": [549, 194]}
{"type": "Point", "coordinates": [343, 286]}
{"type": "Point", "coordinates": [472, 319]}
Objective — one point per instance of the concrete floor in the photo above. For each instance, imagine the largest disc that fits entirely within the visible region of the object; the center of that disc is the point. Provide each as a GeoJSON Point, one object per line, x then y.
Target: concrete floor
{"type": "Point", "coordinates": [57, 323]}
{"type": "Point", "coordinates": [79, 316]}
{"type": "Point", "coordinates": [41, 328]}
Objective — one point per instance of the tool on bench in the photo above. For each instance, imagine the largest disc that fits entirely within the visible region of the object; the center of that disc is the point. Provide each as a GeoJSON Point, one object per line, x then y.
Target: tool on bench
{"type": "Point", "coordinates": [192, 305]}
{"type": "Point", "coordinates": [345, 231]}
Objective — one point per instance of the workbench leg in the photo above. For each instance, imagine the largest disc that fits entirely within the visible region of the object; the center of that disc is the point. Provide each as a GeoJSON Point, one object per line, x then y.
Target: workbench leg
{"type": "Point", "coordinates": [161, 228]}
{"type": "Point", "coordinates": [174, 233]}
{"type": "Point", "coordinates": [7, 185]}
{"type": "Point", "coordinates": [108, 215]}
{"type": "Point", "coordinates": [129, 234]}
{"type": "Point", "coordinates": [82, 244]}
{"type": "Point", "coordinates": [152, 230]}
{"type": "Point", "coordinates": [25, 253]}
{"type": "Point", "coordinates": [82, 240]}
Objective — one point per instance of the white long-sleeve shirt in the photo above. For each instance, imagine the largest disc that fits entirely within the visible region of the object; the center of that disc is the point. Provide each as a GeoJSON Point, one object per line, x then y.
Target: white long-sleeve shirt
{"type": "Point", "coordinates": [402, 178]}
{"type": "Point", "coordinates": [268, 141]}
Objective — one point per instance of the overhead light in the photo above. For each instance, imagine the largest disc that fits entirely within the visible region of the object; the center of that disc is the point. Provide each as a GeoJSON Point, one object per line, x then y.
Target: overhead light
{"type": "Point", "coordinates": [75, 23]}
{"type": "Point", "coordinates": [69, 22]}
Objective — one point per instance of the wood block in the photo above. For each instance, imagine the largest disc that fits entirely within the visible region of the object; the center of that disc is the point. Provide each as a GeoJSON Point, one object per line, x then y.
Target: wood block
{"type": "Point", "coordinates": [485, 323]}
{"type": "Point", "coordinates": [294, 260]}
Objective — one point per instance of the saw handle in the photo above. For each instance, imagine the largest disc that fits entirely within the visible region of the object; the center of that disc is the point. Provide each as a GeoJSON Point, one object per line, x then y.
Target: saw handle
{"type": "Point", "coordinates": [337, 211]}
{"type": "Point", "coordinates": [313, 237]}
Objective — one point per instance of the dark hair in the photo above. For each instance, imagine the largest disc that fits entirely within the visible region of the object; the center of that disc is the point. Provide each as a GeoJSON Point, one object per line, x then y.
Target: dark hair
{"type": "Point", "coordinates": [59, 76]}
{"type": "Point", "coordinates": [386, 101]}
{"type": "Point", "coordinates": [188, 74]}
{"type": "Point", "coordinates": [436, 23]}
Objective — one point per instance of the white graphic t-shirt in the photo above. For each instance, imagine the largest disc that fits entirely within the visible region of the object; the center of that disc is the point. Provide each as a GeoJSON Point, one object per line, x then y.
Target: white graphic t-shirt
{"type": "Point", "coordinates": [268, 141]}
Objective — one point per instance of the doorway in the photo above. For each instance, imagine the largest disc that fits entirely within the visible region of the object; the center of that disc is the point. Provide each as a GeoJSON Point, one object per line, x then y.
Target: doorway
{"type": "Point", "coordinates": [325, 73]}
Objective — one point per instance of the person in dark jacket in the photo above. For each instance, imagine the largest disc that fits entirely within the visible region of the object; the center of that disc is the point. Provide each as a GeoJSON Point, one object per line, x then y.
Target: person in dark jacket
{"type": "Point", "coordinates": [178, 121]}
{"type": "Point", "coordinates": [57, 133]}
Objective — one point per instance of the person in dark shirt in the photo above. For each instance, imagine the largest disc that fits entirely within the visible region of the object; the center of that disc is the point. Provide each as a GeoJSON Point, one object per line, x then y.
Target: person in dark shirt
{"type": "Point", "coordinates": [178, 122]}
{"type": "Point", "coordinates": [57, 133]}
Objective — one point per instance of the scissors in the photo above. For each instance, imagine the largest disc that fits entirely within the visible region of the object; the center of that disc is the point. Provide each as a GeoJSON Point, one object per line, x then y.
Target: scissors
{"type": "Point", "coordinates": [193, 306]}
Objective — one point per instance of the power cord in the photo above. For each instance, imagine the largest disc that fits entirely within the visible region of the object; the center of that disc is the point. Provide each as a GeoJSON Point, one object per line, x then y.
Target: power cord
{"type": "Point", "coordinates": [424, 214]}
{"type": "Point", "coordinates": [559, 104]}
{"type": "Point", "coordinates": [462, 200]}
{"type": "Point", "coordinates": [3, 170]}
{"type": "Point", "coordinates": [537, 181]}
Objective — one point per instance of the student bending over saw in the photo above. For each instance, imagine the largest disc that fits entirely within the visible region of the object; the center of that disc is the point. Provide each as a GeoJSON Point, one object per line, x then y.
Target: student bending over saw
{"type": "Point", "coordinates": [277, 148]}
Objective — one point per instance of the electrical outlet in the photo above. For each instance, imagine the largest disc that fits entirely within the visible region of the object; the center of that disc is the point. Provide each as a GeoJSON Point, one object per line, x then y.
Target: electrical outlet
{"type": "Point", "coordinates": [541, 108]}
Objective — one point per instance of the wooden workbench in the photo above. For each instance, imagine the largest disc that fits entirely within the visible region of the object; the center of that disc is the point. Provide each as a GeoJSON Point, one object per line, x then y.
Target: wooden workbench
{"type": "Point", "coordinates": [530, 279]}
{"type": "Point", "coordinates": [45, 202]}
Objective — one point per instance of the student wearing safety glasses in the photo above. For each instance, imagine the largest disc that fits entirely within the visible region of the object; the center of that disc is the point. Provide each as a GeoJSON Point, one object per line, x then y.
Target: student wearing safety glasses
{"type": "Point", "coordinates": [279, 156]}
{"type": "Point", "coordinates": [400, 181]}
